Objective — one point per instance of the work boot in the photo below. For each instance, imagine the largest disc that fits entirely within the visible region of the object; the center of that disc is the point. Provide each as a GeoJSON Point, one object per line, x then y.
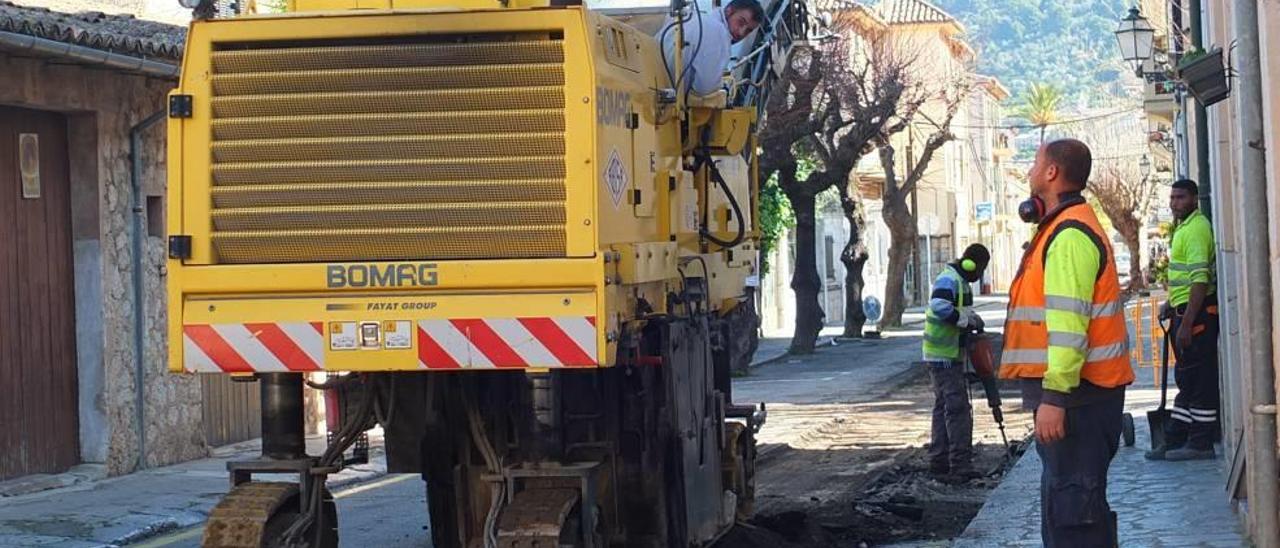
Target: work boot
{"type": "Point", "coordinates": [1190, 453]}
{"type": "Point", "coordinates": [961, 474]}
{"type": "Point", "coordinates": [939, 470]}
{"type": "Point", "coordinates": [1162, 452]}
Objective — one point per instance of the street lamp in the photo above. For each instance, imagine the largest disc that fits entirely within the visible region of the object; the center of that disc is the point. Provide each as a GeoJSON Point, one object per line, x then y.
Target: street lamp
{"type": "Point", "coordinates": [1135, 36]}
{"type": "Point", "coordinates": [1145, 165]}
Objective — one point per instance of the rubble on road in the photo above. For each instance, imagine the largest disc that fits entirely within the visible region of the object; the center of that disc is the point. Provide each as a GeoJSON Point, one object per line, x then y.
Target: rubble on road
{"type": "Point", "coordinates": [856, 475]}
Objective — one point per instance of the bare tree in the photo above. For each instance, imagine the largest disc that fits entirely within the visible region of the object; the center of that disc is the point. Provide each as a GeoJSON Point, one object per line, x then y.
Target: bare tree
{"type": "Point", "coordinates": [886, 84]}
{"type": "Point", "coordinates": [854, 256]}
{"type": "Point", "coordinates": [902, 226]}
{"type": "Point", "coordinates": [835, 100]}
{"type": "Point", "coordinates": [1128, 198]}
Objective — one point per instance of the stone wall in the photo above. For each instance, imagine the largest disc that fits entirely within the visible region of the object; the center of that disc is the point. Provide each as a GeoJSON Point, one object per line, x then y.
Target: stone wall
{"type": "Point", "coordinates": [102, 106]}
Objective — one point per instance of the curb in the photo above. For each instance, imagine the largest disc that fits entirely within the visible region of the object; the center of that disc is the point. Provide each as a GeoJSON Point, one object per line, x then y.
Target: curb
{"type": "Point", "coordinates": [822, 342]}
{"type": "Point", "coordinates": [362, 476]}
{"type": "Point", "coordinates": [162, 526]}
{"type": "Point", "coordinates": [899, 380]}
{"type": "Point", "coordinates": [165, 525]}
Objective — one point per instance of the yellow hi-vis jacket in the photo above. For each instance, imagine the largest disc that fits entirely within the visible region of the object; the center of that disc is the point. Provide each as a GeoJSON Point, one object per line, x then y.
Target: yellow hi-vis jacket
{"type": "Point", "coordinates": [1066, 321]}
{"type": "Point", "coordinates": [1191, 258]}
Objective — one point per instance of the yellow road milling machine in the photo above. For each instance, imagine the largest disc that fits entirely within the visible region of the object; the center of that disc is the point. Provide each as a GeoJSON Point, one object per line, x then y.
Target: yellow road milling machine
{"type": "Point", "coordinates": [492, 228]}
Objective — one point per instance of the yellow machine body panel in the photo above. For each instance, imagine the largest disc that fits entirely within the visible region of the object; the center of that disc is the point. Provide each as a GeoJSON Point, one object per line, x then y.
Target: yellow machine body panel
{"type": "Point", "coordinates": [431, 189]}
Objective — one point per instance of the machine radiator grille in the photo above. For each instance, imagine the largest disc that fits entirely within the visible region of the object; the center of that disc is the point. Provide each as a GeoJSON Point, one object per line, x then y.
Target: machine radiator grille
{"type": "Point", "coordinates": [400, 149]}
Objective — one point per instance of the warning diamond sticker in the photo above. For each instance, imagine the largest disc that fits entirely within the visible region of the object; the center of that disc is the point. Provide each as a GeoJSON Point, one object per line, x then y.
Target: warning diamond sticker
{"type": "Point", "coordinates": [615, 177]}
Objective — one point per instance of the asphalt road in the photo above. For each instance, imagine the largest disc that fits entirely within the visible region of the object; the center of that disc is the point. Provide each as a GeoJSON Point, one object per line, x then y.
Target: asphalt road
{"type": "Point", "coordinates": [388, 512]}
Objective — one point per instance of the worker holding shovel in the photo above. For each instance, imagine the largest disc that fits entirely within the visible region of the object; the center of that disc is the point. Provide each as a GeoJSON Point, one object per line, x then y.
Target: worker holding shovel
{"type": "Point", "coordinates": [1193, 420]}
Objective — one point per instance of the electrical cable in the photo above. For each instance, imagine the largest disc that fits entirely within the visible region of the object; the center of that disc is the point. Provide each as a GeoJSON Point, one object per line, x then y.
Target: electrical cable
{"type": "Point", "coordinates": [684, 290]}
{"type": "Point", "coordinates": [492, 462]}
{"type": "Point", "coordinates": [384, 418]}
{"type": "Point", "coordinates": [345, 437]}
{"type": "Point", "coordinates": [662, 42]}
{"type": "Point", "coordinates": [696, 49]}
{"type": "Point", "coordinates": [1054, 123]}
{"type": "Point", "coordinates": [1097, 159]}
{"type": "Point", "coordinates": [706, 275]}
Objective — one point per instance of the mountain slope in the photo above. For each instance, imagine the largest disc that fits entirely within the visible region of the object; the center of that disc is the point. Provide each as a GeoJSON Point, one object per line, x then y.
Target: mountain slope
{"type": "Point", "coordinates": [1071, 45]}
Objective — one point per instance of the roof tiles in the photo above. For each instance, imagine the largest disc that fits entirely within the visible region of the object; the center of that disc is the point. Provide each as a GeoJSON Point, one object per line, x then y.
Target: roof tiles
{"type": "Point", "coordinates": [123, 34]}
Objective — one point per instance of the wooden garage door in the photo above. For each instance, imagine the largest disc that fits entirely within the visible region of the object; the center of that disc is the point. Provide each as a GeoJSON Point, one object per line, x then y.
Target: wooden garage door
{"type": "Point", "coordinates": [39, 426]}
{"type": "Point", "coordinates": [232, 410]}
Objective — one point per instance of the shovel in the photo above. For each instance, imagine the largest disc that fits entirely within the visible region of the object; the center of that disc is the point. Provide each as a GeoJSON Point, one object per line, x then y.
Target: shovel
{"type": "Point", "coordinates": [1159, 416]}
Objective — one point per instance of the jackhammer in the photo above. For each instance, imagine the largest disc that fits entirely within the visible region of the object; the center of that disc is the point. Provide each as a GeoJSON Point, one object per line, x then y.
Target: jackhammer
{"type": "Point", "coordinates": [982, 360]}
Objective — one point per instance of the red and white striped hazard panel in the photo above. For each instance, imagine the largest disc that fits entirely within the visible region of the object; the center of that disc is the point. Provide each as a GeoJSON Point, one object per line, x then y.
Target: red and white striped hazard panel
{"type": "Point", "coordinates": [249, 347]}
{"type": "Point", "coordinates": [562, 341]}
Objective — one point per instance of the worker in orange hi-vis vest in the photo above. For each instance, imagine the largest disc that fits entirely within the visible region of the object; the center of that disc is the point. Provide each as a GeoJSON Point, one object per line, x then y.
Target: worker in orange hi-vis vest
{"type": "Point", "coordinates": [1065, 340]}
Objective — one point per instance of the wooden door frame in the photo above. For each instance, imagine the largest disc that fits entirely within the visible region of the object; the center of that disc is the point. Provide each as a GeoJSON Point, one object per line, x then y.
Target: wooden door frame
{"type": "Point", "coordinates": [59, 310]}
{"type": "Point", "coordinates": [87, 263]}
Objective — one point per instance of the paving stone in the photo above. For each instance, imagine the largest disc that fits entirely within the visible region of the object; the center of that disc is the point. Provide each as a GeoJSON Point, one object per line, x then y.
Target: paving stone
{"type": "Point", "coordinates": [1160, 504]}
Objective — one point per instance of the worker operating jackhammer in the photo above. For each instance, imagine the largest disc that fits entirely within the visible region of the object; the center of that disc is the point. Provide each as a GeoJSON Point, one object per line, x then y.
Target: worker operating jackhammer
{"type": "Point", "coordinates": [948, 318]}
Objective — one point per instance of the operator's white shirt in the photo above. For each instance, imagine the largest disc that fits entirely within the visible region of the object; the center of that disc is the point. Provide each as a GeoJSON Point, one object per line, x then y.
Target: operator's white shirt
{"type": "Point", "coordinates": [712, 32]}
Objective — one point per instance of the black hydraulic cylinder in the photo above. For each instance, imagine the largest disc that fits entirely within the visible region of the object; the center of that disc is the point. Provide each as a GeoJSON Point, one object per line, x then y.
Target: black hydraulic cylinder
{"type": "Point", "coordinates": [283, 434]}
{"type": "Point", "coordinates": [544, 396]}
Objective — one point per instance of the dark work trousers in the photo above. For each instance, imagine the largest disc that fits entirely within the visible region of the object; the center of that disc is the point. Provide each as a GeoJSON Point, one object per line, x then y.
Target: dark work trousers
{"type": "Point", "coordinates": [952, 444]}
{"type": "Point", "coordinates": [1194, 415]}
{"type": "Point", "coordinates": [1073, 485]}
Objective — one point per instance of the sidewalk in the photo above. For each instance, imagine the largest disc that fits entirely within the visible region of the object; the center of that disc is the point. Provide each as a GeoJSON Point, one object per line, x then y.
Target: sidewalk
{"type": "Point", "coordinates": [988, 306]}
{"type": "Point", "coordinates": [1160, 504]}
{"type": "Point", "coordinates": [776, 348]}
{"type": "Point", "coordinates": [133, 507]}
{"type": "Point", "coordinates": [773, 349]}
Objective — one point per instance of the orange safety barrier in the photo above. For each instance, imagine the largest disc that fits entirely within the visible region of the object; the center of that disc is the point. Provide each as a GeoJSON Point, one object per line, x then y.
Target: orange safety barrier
{"type": "Point", "coordinates": [1145, 315]}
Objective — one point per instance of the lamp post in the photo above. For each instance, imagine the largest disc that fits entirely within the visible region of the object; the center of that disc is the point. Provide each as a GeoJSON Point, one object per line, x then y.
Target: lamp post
{"type": "Point", "coordinates": [1135, 36]}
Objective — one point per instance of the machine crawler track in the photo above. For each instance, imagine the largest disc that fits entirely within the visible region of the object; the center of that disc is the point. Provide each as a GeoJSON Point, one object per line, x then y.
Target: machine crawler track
{"type": "Point", "coordinates": [537, 518]}
{"type": "Point", "coordinates": [240, 518]}
{"type": "Point", "coordinates": [253, 514]}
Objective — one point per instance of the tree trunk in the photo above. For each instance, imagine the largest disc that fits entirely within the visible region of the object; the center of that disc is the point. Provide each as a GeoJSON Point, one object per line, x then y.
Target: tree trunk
{"type": "Point", "coordinates": [1136, 280]}
{"type": "Point", "coordinates": [1144, 265]}
{"type": "Point", "coordinates": [902, 234]}
{"type": "Point", "coordinates": [1130, 229]}
{"type": "Point", "coordinates": [805, 281]}
{"type": "Point", "coordinates": [854, 256]}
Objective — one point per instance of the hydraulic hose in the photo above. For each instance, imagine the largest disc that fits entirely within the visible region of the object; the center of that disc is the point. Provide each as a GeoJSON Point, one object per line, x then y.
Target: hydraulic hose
{"type": "Point", "coordinates": [704, 230]}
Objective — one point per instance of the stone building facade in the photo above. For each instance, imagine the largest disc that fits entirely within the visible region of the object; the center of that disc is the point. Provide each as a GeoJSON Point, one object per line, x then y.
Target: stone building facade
{"type": "Point", "coordinates": [86, 69]}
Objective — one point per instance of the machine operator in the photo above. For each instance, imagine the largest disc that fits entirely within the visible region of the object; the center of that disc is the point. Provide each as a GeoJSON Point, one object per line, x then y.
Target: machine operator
{"type": "Point", "coordinates": [709, 35]}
